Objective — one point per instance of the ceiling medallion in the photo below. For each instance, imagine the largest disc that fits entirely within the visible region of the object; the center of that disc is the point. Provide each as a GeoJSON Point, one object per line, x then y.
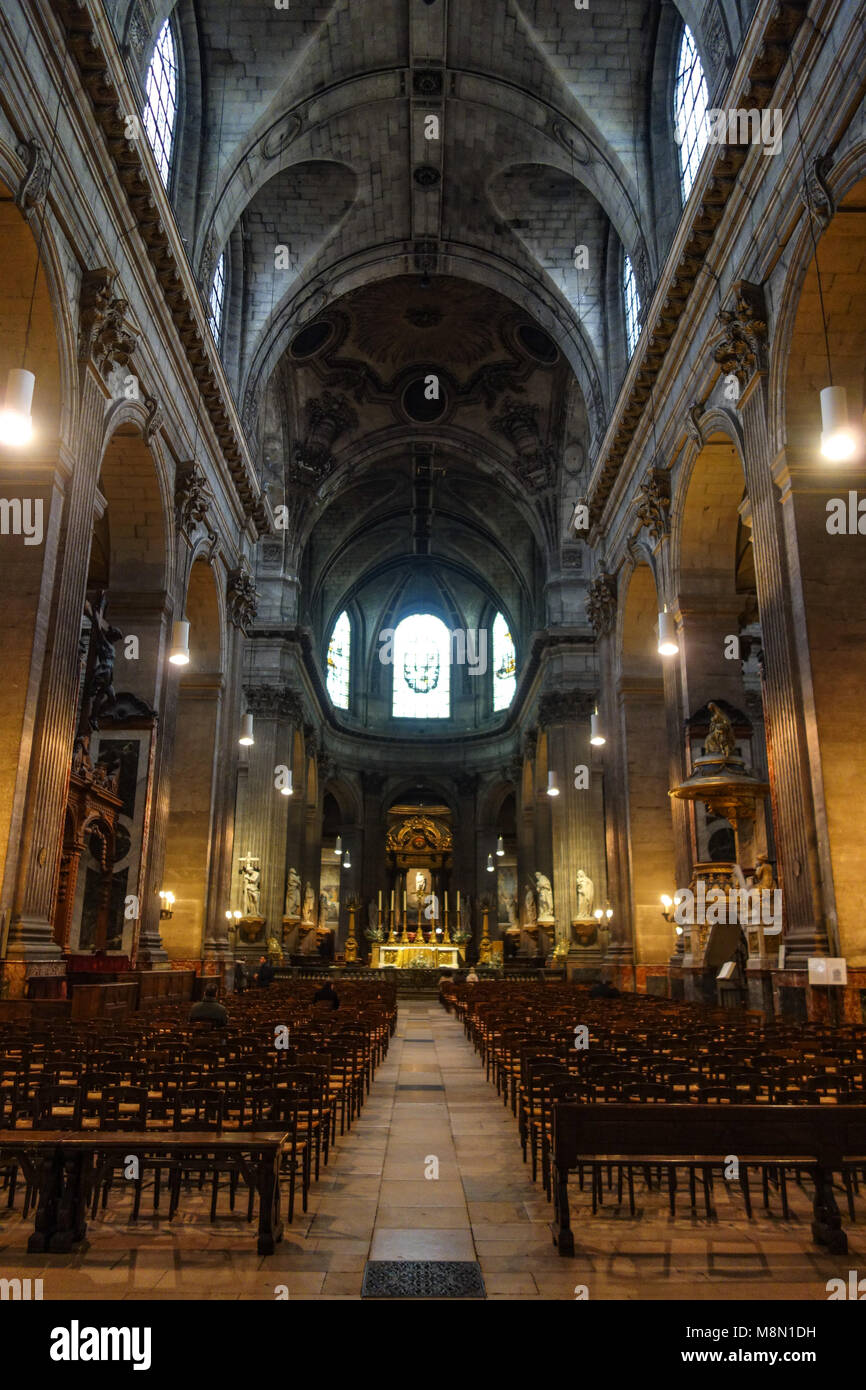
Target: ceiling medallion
{"type": "Point", "coordinates": [426, 176]}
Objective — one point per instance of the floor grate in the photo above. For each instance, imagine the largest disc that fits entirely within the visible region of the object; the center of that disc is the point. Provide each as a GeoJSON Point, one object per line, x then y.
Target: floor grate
{"type": "Point", "coordinates": [423, 1279]}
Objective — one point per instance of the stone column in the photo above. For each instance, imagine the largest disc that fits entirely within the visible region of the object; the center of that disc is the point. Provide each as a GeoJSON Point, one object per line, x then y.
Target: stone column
{"type": "Point", "coordinates": [742, 351]}
{"type": "Point", "coordinates": [577, 814]}
{"type": "Point", "coordinates": [263, 813]}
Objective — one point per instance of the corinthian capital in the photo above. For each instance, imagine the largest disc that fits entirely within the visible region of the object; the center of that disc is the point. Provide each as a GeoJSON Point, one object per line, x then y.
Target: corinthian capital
{"type": "Point", "coordinates": [742, 348]}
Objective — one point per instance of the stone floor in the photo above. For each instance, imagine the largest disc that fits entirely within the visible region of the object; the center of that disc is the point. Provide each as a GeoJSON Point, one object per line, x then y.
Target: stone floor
{"type": "Point", "coordinates": [429, 1102]}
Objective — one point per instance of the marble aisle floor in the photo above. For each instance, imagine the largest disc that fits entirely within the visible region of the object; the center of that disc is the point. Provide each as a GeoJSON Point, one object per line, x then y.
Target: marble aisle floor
{"type": "Point", "coordinates": [430, 1111]}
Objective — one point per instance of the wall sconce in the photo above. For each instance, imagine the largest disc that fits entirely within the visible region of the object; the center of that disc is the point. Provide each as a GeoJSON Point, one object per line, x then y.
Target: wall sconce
{"type": "Point", "coordinates": [596, 737]}
{"type": "Point", "coordinates": [179, 654]}
{"type": "Point", "coordinates": [490, 865]}
{"type": "Point", "coordinates": [246, 735]}
{"type": "Point", "coordinates": [668, 907]}
{"type": "Point", "coordinates": [552, 788]}
{"type": "Point", "coordinates": [166, 901]}
{"type": "Point", "coordinates": [338, 847]}
{"type": "Point", "coordinates": [500, 846]}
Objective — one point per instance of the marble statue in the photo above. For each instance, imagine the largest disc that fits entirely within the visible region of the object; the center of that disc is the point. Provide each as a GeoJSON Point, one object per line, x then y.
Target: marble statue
{"type": "Point", "coordinates": [309, 913]}
{"type": "Point", "coordinates": [721, 738]}
{"type": "Point", "coordinates": [323, 911]}
{"type": "Point", "coordinates": [764, 876]}
{"type": "Point", "coordinates": [251, 885]}
{"type": "Point", "coordinates": [585, 894]}
{"type": "Point", "coordinates": [530, 913]}
{"type": "Point", "coordinates": [512, 911]}
{"type": "Point", "coordinates": [293, 894]}
{"type": "Point", "coordinates": [545, 897]}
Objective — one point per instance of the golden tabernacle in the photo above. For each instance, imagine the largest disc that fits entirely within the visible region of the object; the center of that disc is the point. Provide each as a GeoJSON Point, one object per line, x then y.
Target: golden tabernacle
{"type": "Point", "coordinates": [411, 957]}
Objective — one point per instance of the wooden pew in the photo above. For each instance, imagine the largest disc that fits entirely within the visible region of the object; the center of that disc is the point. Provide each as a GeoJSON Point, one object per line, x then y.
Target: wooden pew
{"type": "Point", "coordinates": [62, 1159]}
{"type": "Point", "coordinates": [826, 1138]}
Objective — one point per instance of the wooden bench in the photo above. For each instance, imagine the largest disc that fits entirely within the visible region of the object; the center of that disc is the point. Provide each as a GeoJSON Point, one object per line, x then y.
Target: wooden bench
{"type": "Point", "coordinates": [58, 1162]}
{"type": "Point", "coordinates": [827, 1138]}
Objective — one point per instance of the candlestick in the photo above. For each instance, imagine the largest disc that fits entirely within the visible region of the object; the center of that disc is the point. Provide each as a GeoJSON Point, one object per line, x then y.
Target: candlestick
{"type": "Point", "coordinates": [380, 899]}
{"type": "Point", "coordinates": [458, 902]}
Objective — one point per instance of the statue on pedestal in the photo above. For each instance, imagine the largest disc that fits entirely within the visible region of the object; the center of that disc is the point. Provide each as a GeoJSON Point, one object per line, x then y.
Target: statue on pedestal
{"type": "Point", "coordinates": [544, 892]}
{"type": "Point", "coordinates": [512, 912]}
{"type": "Point", "coordinates": [251, 885]}
{"type": "Point", "coordinates": [530, 913]}
{"type": "Point", "coordinates": [720, 738]}
{"type": "Point", "coordinates": [293, 895]}
{"type": "Point", "coordinates": [309, 913]}
{"type": "Point", "coordinates": [585, 894]}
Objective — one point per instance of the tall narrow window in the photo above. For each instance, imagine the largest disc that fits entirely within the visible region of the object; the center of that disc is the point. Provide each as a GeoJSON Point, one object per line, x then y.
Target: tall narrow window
{"type": "Point", "coordinates": [160, 108]}
{"type": "Point", "coordinates": [504, 664]}
{"type": "Point", "coordinates": [339, 651]}
{"type": "Point", "coordinates": [690, 111]}
{"type": "Point", "coordinates": [217, 296]}
{"type": "Point", "coordinates": [422, 668]}
{"type": "Point", "coordinates": [631, 304]}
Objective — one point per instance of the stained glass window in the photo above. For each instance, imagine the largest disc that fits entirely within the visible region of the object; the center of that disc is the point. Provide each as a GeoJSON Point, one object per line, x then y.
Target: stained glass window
{"type": "Point", "coordinates": [160, 108]}
{"type": "Point", "coordinates": [339, 651]}
{"type": "Point", "coordinates": [631, 303]}
{"type": "Point", "coordinates": [504, 664]}
{"type": "Point", "coordinates": [422, 669]}
{"type": "Point", "coordinates": [690, 111]}
{"type": "Point", "coordinates": [217, 296]}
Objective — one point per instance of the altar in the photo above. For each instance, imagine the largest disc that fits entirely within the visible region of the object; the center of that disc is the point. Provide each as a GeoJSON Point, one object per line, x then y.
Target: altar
{"type": "Point", "coordinates": [407, 956]}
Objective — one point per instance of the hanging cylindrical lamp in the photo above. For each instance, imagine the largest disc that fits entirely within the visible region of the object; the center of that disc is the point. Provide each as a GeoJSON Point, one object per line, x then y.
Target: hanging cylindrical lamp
{"type": "Point", "coordinates": [179, 654]}
{"type": "Point", "coordinates": [500, 846]}
{"type": "Point", "coordinates": [16, 424]}
{"type": "Point", "coordinates": [287, 789]}
{"type": "Point", "coordinates": [347, 863]}
{"type": "Point", "coordinates": [490, 865]}
{"type": "Point", "coordinates": [338, 847]}
{"type": "Point", "coordinates": [837, 438]}
{"type": "Point", "coordinates": [596, 737]}
{"type": "Point", "coordinates": [246, 734]}
{"type": "Point", "coordinates": [668, 645]}
{"type": "Point", "coordinates": [552, 788]}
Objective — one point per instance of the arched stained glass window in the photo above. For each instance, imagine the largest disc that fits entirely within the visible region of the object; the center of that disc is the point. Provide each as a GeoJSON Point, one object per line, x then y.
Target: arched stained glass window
{"type": "Point", "coordinates": [504, 664]}
{"type": "Point", "coordinates": [339, 652]}
{"type": "Point", "coordinates": [631, 304]}
{"type": "Point", "coordinates": [160, 108]}
{"type": "Point", "coordinates": [217, 297]}
{"type": "Point", "coordinates": [422, 668]}
{"type": "Point", "coordinates": [690, 111]}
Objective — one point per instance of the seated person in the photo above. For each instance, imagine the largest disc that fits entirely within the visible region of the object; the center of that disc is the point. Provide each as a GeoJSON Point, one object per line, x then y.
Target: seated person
{"type": "Point", "coordinates": [327, 994]}
{"type": "Point", "coordinates": [471, 977]}
{"type": "Point", "coordinates": [603, 990]}
{"type": "Point", "coordinates": [265, 973]}
{"type": "Point", "coordinates": [209, 1010]}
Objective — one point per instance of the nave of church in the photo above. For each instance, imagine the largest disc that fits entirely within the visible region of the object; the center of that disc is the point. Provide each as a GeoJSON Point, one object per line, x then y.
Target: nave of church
{"type": "Point", "coordinates": [432, 569]}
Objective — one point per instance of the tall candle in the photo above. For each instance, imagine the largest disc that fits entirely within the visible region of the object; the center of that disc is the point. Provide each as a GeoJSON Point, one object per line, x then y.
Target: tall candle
{"type": "Point", "coordinates": [458, 899]}
{"type": "Point", "coordinates": [392, 902]}
{"type": "Point", "coordinates": [404, 902]}
{"type": "Point", "coordinates": [446, 900]}
{"type": "Point", "coordinates": [380, 899]}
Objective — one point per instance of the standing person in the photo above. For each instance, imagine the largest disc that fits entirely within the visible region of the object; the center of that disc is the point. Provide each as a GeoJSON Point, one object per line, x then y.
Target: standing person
{"type": "Point", "coordinates": [241, 980]}
{"type": "Point", "coordinates": [265, 973]}
{"type": "Point", "coordinates": [327, 994]}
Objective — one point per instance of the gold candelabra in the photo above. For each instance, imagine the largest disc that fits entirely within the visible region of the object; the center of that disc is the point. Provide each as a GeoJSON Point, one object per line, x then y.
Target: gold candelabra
{"type": "Point", "coordinates": [350, 953]}
{"type": "Point", "coordinates": [484, 945]}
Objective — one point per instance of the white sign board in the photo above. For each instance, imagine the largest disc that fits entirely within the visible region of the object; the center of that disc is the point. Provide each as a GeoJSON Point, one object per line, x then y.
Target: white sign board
{"type": "Point", "coordinates": [828, 970]}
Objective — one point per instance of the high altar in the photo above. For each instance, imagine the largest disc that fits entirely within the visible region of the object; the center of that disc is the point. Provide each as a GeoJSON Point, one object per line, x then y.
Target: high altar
{"type": "Point", "coordinates": [418, 855]}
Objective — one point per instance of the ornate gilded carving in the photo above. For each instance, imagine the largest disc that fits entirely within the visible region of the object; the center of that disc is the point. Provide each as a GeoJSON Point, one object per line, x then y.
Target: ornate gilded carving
{"type": "Point", "coordinates": [192, 497]}
{"type": "Point", "coordinates": [103, 335]}
{"type": "Point", "coordinates": [241, 597]}
{"type": "Point", "coordinates": [34, 183]}
{"type": "Point", "coordinates": [417, 834]}
{"type": "Point", "coordinates": [652, 503]}
{"type": "Point", "coordinates": [743, 345]}
{"type": "Point", "coordinates": [601, 603]}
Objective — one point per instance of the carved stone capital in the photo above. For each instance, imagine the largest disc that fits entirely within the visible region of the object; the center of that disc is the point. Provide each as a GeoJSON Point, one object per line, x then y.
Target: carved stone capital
{"type": "Point", "coordinates": [33, 187]}
{"type": "Point", "coordinates": [601, 603]}
{"type": "Point", "coordinates": [564, 706]}
{"type": "Point", "coordinates": [103, 336]}
{"type": "Point", "coordinates": [274, 702]}
{"type": "Point", "coordinates": [241, 597]}
{"type": "Point", "coordinates": [742, 348]}
{"type": "Point", "coordinates": [652, 503]}
{"type": "Point", "coordinates": [192, 497]}
{"type": "Point", "coordinates": [530, 744]}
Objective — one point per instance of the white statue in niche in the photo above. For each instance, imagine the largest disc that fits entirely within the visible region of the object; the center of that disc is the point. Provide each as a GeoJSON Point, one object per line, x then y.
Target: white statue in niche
{"type": "Point", "coordinates": [544, 892]}
{"type": "Point", "coordinates": [251, 884]}
{"type": "Point", "coordinates": [585, 894]}
{"type": "Point", "coordinates": [293, 894]}
{"type": "Point", "coordinates": [530, 913]}
{"type": "Point", "coordinates": [309, 913]}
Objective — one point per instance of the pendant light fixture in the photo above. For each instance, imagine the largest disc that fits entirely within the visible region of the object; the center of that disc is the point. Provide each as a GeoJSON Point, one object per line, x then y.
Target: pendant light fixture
{"type": "Point", "coordinates": [490, 865]}
{"type": "Point", "coordinates": [179, 654]}
{"type": "Point", "coordinates": [287, 789]}
{"type": "Point", "coordinates": [347, 863]}
{"type": "Point", "coordinates": [246, 735]}
{"type": "Point", "coordinates": [552, 788]}
{"type": "Point", "coordinates": [668, 645]}
{"type": "Point", "coordinates": [596, 737]}
{"type": "Point", "coordinates": [500, 846]}
{"type": "Point", "coordinates": [338, 847]}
